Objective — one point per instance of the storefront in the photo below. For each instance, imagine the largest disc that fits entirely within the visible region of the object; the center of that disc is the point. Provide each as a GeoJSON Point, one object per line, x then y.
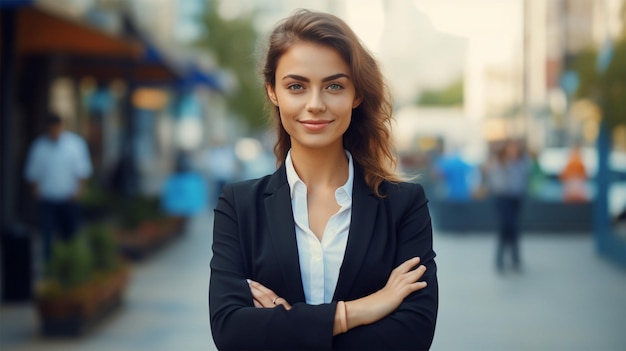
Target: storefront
{"type": "Point", "coordinates": [91, 77]}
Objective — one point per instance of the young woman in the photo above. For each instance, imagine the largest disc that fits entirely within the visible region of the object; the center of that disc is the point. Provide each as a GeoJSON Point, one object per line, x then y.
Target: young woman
{"type": "Point", "coordinates": [333, 250]}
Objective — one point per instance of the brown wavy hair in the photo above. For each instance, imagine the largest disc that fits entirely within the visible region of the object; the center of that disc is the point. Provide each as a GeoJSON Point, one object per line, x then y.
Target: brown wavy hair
{"type": "Point", "coordinates": [368, 138]}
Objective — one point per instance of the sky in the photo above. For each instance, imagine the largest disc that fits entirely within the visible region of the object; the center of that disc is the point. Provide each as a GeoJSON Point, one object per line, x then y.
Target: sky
{"type": "Point", "coordinates": [482, 22]}
{"type": "Point", "coordinates": [493, 27]}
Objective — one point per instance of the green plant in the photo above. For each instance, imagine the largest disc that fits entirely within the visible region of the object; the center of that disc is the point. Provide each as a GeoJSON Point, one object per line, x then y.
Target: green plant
{"type": "Point", "coordinates": [103, 247]}
{"type": "Point", "coordinates": [74, 262]}
{"type": "Point", "coordinates": [606, 88]}
{"type": "Point", "coordinates": [71, 263]}
{"type": "Point", "coordinates": [134, 210]}
{"type": "Point", "coordinates": [233, 43]}
{"type": "Point", "coordinates": [452, 95]}
{"type": "Point", "coordinates": [95, 195]}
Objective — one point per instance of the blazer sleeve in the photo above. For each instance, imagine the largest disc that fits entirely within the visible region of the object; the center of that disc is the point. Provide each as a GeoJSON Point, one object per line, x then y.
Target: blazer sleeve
{"type": "Point", "coordinates": [235, 323]}
{"type": "Point", "coordinates": [412, 325]}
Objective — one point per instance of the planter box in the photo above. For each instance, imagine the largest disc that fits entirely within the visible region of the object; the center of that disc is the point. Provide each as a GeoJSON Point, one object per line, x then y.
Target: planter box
{"type": "Point", "coordinates": [76, 312]}
{"type": "Point", "coordinates": [149, 236]}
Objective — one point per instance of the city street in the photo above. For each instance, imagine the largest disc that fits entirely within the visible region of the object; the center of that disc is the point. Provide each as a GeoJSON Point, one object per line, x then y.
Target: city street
{"type": "Point", "coordinates": [567, 298]}
{"type": "Point", "coordinates": [130, 115]}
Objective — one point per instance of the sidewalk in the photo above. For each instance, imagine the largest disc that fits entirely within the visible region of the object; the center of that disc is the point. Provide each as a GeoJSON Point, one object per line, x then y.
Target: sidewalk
{"type": "Point", "coordinates": [166, 307]}
{"type": "Point", "coordinates": [567, 298]}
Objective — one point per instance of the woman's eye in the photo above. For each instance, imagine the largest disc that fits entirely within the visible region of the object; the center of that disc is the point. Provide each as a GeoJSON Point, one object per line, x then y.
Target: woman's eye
{"type": "Point", "coordinates": [334, 86]}
{"type": "Point", "coordinates": [295, 87]}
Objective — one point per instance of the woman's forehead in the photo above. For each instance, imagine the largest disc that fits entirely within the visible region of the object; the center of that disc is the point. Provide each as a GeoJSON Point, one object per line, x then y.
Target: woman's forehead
{"type": "Point", "coordinates": [311, 60]}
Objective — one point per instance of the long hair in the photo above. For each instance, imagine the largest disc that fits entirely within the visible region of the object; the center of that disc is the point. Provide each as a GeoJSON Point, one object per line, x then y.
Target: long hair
{"type": "Point", "coordinates": [368, 138]}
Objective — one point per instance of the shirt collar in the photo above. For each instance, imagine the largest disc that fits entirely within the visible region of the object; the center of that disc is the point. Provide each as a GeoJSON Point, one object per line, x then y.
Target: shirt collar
{"type": "Point", "coordinates": [343, 194]}
{"type": "Point", "coordinates": [61, 136]}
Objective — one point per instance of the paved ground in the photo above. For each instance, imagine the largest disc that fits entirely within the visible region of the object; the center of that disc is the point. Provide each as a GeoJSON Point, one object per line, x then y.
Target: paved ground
{"type": "Point", "coordinates": [567, 298]}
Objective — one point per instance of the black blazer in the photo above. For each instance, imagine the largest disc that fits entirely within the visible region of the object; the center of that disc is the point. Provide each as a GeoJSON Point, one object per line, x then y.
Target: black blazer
{"type": "Point", "coordinates": [254, 237]}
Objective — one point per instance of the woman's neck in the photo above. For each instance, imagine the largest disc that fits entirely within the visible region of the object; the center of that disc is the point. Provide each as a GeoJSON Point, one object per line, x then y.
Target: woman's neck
{"type": "Point", "coordinates": [321, 167]}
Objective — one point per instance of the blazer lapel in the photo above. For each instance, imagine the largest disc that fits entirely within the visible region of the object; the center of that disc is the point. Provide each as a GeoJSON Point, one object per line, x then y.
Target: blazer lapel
{"type": "Point", "coordinates": [364, 209]}
{"type": "Point", "coordinates": [279, 215]}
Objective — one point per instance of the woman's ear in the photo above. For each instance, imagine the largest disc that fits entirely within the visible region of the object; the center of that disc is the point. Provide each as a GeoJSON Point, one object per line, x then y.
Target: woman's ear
{"type": "Point", "coordinates": [271, 94]}
{"type": "Point", "coordinates": [357, 101]}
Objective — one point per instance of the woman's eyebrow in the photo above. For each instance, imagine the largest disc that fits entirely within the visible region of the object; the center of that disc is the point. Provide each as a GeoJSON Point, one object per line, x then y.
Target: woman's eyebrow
{"type": "Point", "coordinates": [305, 79]}
{"type": "Point", "coordinates": [335, 76]}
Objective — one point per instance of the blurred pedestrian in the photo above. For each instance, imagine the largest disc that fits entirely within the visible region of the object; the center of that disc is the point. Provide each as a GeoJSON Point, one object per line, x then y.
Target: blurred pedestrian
{"type": "Point", "coordinates": [336, 249]}
{"type": "Point", "coordinates": [537, 175]}
{"type": "Point", "coordinates": [574, 177]}
{"type": "Point", "coordinates": [57, 167]}
{"type": "Point", "coordinates": [507, 177]}
{"type": "Point", "coordinates": [455, 173]}
{"type": "Point", "coordinates": [184, 193]}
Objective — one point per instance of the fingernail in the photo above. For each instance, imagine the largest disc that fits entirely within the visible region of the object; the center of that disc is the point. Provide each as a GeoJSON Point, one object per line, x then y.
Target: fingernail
{"type": "Point", "coordinates": [249, 281]}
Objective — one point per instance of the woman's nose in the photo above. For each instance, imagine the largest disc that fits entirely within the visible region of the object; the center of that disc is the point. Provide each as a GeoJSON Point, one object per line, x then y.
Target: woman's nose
{"type": "Point", "coordinates": [315, 104]}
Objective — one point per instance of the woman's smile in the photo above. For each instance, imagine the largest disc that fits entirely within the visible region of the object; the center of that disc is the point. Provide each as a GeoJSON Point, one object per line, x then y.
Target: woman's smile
{"type": "Point", "coordinates": [315, 96]}
{"type": "Point", "coordinates": [315, 125]}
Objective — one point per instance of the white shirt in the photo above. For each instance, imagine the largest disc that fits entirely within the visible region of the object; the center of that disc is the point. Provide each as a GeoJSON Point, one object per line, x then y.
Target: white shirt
{"type": "Point", "coordinates": [320, 261]}
{"type": "Point", "coordinates": [58, 166]}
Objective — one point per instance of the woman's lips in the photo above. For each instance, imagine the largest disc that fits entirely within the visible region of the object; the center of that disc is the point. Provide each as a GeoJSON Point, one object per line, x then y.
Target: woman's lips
{"type": "Point", "coordinates": [315, 126]}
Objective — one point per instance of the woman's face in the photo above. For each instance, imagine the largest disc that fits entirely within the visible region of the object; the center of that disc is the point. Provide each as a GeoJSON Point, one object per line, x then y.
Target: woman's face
{"type": "Point", "coordinates": [315, 95]}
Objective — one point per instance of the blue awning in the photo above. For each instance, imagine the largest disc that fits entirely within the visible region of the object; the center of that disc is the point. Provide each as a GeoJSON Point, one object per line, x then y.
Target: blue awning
{"type": "Point", "coordinates": [196, 76]}
{"type": "Point", "coordinates": [189, 74]}
{"type": "Point", "coordinates": [185, 72]}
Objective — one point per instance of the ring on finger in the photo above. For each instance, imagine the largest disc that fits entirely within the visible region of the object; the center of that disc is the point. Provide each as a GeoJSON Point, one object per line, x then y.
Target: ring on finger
{"type": "Point", "coordinates": [274, 301]}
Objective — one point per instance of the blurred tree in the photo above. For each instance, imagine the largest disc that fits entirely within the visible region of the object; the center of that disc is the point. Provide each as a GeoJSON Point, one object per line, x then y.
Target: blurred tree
{"type": "Point", "coordinates": [233, 42]}
{"type": "Point", "coordinates": [608, 89]}
{"type": "Point", "coordinates": [449, 96]}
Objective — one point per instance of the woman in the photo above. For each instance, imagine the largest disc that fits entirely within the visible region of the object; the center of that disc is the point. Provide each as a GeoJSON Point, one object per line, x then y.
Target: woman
{"type": "Point", "coordinates": [332, 251]}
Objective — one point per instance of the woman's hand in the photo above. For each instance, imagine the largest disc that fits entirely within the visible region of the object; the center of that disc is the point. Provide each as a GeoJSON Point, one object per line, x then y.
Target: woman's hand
{"type": "Point", "coordinates": [402, 282]}
{"type": "Point", "coordinates": [266, 298]}
{"type": "Point", "coordinates": [369, 309]}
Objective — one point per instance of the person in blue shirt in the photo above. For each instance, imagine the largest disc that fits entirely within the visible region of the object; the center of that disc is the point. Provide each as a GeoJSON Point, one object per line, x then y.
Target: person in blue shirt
{"type": "Point", "coordinates": [57, 167]}
{"type": "Point", "coordinates": [184, 192]}
{"type": "Point", "coordinates": [455, 173]}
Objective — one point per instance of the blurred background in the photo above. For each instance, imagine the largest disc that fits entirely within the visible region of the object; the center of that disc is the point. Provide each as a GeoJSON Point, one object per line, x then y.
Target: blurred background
{"type": "Point", "coordinates": [167, 98]}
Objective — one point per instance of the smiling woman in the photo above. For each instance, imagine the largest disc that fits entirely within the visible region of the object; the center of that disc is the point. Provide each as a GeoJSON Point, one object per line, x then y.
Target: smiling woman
{"type": "Point", "coordinates": [333, 250]}
{"type": "Point", "coordinates": [315, 97]}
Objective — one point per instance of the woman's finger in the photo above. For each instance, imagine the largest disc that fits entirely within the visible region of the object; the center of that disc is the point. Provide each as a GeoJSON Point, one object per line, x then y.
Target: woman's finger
{"type": "Point", "coordinates": [261, 288]}
{"type": "Point", "coordinates": [407, 265]}
{"type": "Point", "coordinates": [404, 281]}
{"type": "Point", "coordinates": [265, 297]}
{"type": "Point", "coordinates": [416, 274]}
{"type": "Point", "coordinates": [262, 296]}
{"type": "Point", "coordinates": [417, 286]}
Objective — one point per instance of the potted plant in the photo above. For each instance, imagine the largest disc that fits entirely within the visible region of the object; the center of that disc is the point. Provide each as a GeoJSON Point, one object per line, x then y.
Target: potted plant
{"type": "Point", "coordinates": [96, 202]}
{"type": "Point", "coordinates": [85, 281]}
{"type": "Point", "coordinates": [143, 227]}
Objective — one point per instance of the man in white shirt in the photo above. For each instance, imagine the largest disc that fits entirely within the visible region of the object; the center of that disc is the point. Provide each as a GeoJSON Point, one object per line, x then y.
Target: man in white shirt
{"type": "Point", "coordinates": [57, 166]}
